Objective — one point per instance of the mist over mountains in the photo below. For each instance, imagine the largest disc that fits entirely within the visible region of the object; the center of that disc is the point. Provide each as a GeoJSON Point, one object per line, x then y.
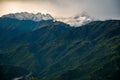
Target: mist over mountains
{"type": "Point", "coordinates": [78, 20]}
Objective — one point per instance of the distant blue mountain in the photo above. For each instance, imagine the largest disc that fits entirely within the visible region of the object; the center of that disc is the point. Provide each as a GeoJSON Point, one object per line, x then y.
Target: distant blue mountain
{"type": "Point", "coordinates": [22, 25]}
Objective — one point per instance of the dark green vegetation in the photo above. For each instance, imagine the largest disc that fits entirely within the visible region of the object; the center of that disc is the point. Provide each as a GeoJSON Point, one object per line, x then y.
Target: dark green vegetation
{"type": "Point", "coordinates": [8, 72]}
{"type": "Point", "coordinates": [60, 52]}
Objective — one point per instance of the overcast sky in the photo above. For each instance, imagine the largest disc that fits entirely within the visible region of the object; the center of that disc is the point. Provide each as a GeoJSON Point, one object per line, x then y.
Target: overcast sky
{"type": "Point", "coordinates": [102, 9]}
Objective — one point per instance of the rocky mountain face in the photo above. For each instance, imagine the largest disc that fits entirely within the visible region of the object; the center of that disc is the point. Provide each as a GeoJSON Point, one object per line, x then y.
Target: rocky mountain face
{"type": "Point", "coordinates": [58, 51]}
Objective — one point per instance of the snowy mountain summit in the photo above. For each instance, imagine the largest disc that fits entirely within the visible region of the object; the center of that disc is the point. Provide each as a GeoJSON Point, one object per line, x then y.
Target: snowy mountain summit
{"type": "Point", "coordinates": [77, 20]}
{"type": "Point", "coordinates": [29, 16]}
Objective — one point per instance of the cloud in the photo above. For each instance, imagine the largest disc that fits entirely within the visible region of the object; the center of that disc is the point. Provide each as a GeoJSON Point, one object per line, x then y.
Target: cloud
{"type": "Point", "coordinates": [99, 8]}
{"type": "Point", "coordinates": [103, 9]}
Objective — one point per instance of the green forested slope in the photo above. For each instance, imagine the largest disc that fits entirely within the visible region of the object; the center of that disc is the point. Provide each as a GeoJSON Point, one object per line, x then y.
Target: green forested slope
{"type": "Point", "coordinates": [60, 52]}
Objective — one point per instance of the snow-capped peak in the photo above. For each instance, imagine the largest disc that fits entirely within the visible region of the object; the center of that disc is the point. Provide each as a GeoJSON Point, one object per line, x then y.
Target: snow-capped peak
{"type": "Point", "coordinates": [77, 20]}
{"type": "Point", "coordinates": [29, 16]}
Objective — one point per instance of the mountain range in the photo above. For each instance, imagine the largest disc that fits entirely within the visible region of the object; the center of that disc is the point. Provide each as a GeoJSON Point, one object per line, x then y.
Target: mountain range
{"type": "Point", "coordinates": [77, 20]}
{"type": "Point", "coordinates": [53, 50]}
{"type": "Point", "coordinates": [29, 16]}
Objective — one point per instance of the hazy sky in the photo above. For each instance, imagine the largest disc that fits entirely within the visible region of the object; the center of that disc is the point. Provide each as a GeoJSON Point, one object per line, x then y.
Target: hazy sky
{"type": "Point", "coordinates": [103, 9]}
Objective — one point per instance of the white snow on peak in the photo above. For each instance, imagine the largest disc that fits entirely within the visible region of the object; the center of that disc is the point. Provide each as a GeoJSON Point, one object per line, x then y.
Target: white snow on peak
{"type": "Point", "coordinates": [29, 16]}
{"type": "Point", "coordinates": [78, 20]}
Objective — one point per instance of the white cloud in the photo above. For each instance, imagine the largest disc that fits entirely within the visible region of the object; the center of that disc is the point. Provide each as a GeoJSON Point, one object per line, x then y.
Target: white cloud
{"type": "Point", "coordinates": [99, 8]}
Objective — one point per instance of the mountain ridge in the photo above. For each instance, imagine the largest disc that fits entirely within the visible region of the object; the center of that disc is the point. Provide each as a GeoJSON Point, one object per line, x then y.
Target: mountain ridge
{"type": "Point", "coordinates": [77, 20]}
{"type": "Point", "coordinates": [29, 16]}
{"type": "Point", "coordinates": [61, 52]}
